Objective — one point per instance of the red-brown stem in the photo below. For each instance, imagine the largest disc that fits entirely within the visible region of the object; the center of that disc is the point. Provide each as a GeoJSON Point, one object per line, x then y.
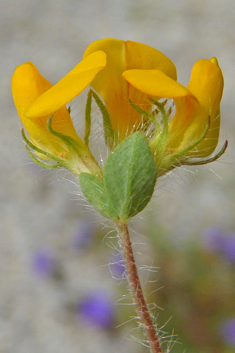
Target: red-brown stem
{"type": "Point", "coordinates": [133, 278]}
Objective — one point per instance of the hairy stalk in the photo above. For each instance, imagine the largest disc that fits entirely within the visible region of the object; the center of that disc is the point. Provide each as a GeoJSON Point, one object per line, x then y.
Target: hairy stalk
{"type": "Point", "coordinates": [137, 293]}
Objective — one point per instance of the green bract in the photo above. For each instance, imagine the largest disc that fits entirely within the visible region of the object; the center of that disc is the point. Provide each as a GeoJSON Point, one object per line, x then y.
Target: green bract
{"type": "Point", "coordinates": [129, 177]}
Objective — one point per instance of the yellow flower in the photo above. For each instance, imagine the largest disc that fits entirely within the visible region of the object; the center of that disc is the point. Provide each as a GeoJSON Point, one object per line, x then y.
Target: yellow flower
{"type": "Point", "coordinates": [138, 73]}
{"type": "Point", "coordinates": [138, 86]}
{"type": "Point", "coordinates": [36, 100]}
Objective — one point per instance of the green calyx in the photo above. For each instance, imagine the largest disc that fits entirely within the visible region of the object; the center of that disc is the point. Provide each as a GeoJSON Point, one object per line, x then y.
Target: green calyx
{"type": "Point", "coordinates": [164, 158]}
{"type": "Point", "coordinates": [30, 146]}
{"type": "Point", "coordinates": [129, 177]}
{"type": "Point", "coordinates": [184, 156]}
{"type": "Point", "coordinates": [80, 158]}
{"type": "Point", "coordinates": [111, 138]}
{"type": "Point", "coordinates": [159, 118]}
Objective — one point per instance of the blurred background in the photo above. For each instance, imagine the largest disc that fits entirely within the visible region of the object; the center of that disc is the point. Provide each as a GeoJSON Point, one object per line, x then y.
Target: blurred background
{"type": "Point", "coordinates": [62, 279]}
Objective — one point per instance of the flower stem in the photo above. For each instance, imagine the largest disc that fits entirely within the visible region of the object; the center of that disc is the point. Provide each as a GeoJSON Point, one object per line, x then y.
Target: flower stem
{"type": "Point", "coordinates": [136, 289]}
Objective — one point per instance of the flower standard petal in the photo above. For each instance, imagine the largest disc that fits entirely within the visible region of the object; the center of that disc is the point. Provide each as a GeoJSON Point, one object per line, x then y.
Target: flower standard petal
{"type": "Point", "coordinates": [116, 91]}
{"type": "Point", "coordinates": [111, 86]}
{"type": "Point", "coordinates": [68, 87]}
{"type": "Point", "coordinates": [142, 56]}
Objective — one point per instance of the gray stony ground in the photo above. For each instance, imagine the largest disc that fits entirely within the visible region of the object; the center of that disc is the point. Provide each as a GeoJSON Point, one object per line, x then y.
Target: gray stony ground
{"type": "Point", "coordinates": [36, 209]}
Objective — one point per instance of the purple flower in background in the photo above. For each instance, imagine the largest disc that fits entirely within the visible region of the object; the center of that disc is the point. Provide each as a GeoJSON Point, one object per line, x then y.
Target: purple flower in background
{"type": "Point", "coordinates": [82, 235]}
{"type": "Point", "coordinates": [117, 266]}
{"type": "Point", "coordinates": [97, 309]}
{"type": "Point", "coordinates": [227, 331]}
{"type": "Point", "coordinates": [212, 239]}
{"type": "Point", "coordinates": [229, 246]}
{"type": "Point", "coordinates": [43, 263]}
{"type": "Point", "coordinates": [223, 243]}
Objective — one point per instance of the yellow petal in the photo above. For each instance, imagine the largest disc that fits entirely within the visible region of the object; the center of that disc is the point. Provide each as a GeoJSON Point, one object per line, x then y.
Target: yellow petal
{"type": "Point", "coordinates": [194, 104]}
{"type": "Point", "coordinates": [110, 77]}
{"type": "Point", "coordinates": [115, 91]}
{"type": "Point", "coordinates": [155, 83]}
{"type": "Point", "coordinates": [206, 84]}
{"type": "Point", "coordinates": [142, 56]}
{"type": "Point", "coordinates": [27, 86]}
{"type": "Point", "coordinates": [214, 61]}
{"type": "Point", "coordinates": [68, 87]}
